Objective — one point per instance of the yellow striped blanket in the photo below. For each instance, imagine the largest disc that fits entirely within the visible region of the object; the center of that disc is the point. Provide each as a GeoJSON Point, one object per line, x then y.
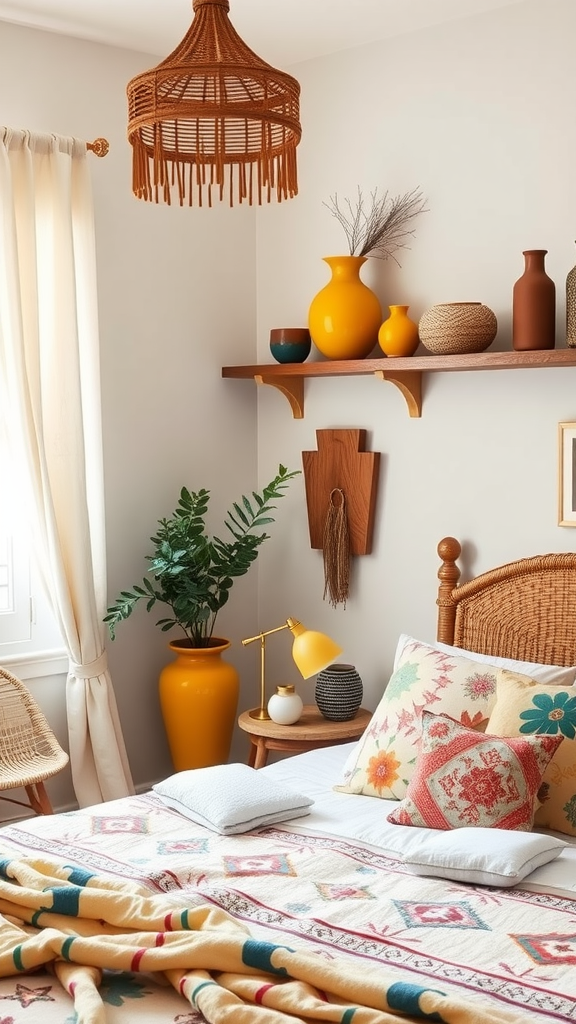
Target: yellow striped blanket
{"type": "Point", "coordinates": [78, 924]}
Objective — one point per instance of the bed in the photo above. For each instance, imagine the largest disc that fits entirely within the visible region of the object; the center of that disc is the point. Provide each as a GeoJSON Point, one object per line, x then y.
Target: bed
{"type": "Point", "coordinates": [130, 911]}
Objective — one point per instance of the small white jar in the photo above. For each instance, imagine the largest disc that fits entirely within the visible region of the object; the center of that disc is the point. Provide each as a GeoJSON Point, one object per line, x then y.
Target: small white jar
{"type": "Point", "coordinates": [285, 706]}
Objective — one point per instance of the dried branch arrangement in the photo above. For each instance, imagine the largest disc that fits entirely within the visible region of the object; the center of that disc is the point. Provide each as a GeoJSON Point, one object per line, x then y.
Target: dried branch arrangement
{"type": "Point", "coordinates": [378, 226]}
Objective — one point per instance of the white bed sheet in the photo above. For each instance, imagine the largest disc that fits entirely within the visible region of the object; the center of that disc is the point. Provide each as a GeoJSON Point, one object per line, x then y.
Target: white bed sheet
{"type": "Point", "coordinates": [365, 818]}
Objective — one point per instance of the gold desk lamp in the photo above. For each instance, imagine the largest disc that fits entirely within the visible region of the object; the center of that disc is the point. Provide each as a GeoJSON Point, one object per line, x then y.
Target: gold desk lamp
{"type": "Point", "coordinates": [311, 651]}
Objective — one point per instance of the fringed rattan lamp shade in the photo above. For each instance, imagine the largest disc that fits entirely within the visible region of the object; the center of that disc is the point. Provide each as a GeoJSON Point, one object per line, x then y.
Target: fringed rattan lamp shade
{"type": "Point", "coordinates": [211, 117]}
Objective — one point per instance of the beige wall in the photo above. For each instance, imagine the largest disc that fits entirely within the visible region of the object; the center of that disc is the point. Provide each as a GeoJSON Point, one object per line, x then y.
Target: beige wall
{"type": "Point", "coordinates": [479, 115]}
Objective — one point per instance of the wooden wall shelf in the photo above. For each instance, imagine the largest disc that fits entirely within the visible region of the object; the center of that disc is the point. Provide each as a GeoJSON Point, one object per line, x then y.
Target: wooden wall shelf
{"type": "Point", "coordinates": [406, 374]}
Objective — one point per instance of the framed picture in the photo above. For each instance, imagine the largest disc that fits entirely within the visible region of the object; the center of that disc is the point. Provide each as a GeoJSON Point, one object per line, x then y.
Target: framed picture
{"type": "Point", "coordinates": [567, 474]}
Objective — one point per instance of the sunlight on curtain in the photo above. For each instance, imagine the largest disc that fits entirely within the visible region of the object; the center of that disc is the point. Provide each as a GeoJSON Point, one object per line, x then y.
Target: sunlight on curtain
{"type": "Point", "coordinates": [15, 594]}
{"type": "Point", "coordinates": [50, 386]}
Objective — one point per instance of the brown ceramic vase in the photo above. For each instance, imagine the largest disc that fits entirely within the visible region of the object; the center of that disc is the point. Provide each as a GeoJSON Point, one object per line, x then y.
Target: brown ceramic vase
{"type": "Point", "coordinates": [534, 305]}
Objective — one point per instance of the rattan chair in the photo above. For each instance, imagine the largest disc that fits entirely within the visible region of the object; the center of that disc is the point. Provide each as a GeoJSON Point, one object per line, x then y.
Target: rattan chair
{"type": "Point", "coordinates": [29, 751]}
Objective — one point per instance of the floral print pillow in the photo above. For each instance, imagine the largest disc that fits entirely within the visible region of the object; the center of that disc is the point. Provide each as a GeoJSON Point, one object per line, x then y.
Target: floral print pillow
{"type": "Point", "coordinates": [525, 707]}
{"type": "Point", "coordinates": [425, 679]}
{"type": "Point", "coordinates": [465, 778]}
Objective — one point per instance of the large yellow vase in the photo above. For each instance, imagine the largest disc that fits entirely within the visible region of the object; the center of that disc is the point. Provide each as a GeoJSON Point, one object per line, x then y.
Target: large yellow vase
{"type": "Point", "coordinates": [345, 316]}
{"type": "Point", "coordinates": [199, 700]}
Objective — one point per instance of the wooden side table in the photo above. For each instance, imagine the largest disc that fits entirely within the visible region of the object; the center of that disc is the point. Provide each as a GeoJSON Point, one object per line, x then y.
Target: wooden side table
{"type": "Point", "coordinates": [312, 730]}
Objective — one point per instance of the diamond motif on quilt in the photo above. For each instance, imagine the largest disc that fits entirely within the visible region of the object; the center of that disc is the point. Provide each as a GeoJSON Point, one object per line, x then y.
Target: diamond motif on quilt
{"type": "Point", "coordinates": [111, 826]}
{"type": "Point", "coordinates": [439, 915]}
{"type": "Point", "coordinates": [277, 864]}
{"type": "Point", "coordinates": [184, 846]}
{"type": "Point", "coordinates": [549, 949]}
{"type": "Point", "coordinates": [343, 892]}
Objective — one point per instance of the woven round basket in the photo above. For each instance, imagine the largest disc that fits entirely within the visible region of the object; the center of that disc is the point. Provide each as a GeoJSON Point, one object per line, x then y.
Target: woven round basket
{"type": "Point", "coordinates": [452, 328]}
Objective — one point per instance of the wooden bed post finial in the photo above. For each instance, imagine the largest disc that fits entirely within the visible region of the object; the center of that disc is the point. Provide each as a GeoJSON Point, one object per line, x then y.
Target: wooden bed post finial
{"type": "Point", "coordinates": [449, 550]}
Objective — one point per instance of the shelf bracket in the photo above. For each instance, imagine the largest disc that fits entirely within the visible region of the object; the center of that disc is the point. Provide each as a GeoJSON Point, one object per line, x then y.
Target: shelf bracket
{"type": "Point", "coordinates": [291, 387]}
{"type": "Point", "coordinates": [410, 384]}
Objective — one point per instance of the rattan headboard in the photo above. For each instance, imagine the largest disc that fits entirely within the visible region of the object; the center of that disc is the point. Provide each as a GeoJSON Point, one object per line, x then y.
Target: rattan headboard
{"type": "Point", "coordinates": [524, 609]}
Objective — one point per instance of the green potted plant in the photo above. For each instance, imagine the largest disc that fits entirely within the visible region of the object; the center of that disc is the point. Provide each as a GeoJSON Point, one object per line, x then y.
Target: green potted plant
{"type": "Point", "coordinates": [192, 574]}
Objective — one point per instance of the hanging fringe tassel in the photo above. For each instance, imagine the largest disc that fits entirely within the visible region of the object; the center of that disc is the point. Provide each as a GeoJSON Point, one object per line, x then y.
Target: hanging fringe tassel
{"type": "Point", "coordinates": [336, 548]}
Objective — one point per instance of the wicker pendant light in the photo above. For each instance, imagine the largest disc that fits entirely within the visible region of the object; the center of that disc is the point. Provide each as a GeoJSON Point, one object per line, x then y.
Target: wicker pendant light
{"type": "Point", "coordinates": [213, 117]}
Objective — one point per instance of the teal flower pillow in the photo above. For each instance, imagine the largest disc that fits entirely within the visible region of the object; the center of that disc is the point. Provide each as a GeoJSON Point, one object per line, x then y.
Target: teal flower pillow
{"type": "Point", "coordinates": [525, 707]}
{"type": "Point", "coordinates": [425, 679]}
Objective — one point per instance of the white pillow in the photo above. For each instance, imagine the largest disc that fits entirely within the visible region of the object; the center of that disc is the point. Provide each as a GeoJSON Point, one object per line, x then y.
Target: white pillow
{"type": "Point", "coordinates": [484, 856]}
{"type": "Point", "coordinates": [231, 798]}
{"type": "Point", "coordinates": [556, 674]}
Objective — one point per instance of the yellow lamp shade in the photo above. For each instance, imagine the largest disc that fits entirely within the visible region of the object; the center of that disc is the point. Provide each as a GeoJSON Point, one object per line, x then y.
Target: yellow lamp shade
{"type": "Point", "coordinates": [311, 651]}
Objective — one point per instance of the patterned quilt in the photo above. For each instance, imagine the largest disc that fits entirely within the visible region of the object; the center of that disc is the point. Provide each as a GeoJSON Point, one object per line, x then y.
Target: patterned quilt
{"type": "Point", "coordinates": [441, 951]}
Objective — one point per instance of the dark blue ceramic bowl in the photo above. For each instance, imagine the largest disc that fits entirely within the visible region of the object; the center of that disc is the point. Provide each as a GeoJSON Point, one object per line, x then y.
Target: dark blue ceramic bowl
{"type": "Point", "coordinates": [290, 344]}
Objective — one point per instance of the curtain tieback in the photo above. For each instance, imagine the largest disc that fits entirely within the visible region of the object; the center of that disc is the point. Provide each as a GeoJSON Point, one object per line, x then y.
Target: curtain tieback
{"type": "Point", "coordinates": [92, 668]}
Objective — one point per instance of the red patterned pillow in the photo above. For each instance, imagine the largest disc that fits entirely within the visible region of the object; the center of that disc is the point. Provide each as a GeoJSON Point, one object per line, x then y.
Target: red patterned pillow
{"type": "Point", "coordinates": [466, 778]}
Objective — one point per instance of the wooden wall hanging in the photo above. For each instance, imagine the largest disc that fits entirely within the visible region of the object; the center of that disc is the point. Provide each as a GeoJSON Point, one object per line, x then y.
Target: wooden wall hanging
{"type": "Point", "coordinates": [341, 462]}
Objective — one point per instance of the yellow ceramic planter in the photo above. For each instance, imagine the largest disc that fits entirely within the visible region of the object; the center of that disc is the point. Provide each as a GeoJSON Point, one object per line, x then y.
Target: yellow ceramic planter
{"type": "Point", "coordinates": [345, 315]}
{"type": "Point", "coordinates": [199, 699]}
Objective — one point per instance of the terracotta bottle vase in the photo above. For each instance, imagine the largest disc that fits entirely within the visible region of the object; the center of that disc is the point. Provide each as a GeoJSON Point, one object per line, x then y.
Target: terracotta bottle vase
{"type": "Point", "coordinates": [534, 305]}
{"type": "Point", "coordinates": [571, 308]}
{"type": "Point", "coordinates": [398, 335]}
{"type": "Point", "coordinates": [345, 316]}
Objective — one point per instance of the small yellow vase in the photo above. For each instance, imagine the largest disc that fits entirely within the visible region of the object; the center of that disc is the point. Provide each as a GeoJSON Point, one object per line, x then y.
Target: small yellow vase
{"type": "Point", "coordinates": [345, 315]}
{"type": "Point", "coordinates": [398, 335]}
{"type": "Point", "coordinates": [199, 698]}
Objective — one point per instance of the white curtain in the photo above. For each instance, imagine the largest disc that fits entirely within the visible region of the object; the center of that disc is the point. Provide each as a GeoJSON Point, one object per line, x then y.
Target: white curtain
{"type": "Point", "coordinates": [50, 387]}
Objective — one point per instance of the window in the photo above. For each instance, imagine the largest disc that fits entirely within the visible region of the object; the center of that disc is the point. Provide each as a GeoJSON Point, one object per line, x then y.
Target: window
{"type": "Point", "coordinates": [15, 594]}
{"type": "Point", "coordinates": [5, 578]}
{"type": "Point", "coordinates": [27, 625]}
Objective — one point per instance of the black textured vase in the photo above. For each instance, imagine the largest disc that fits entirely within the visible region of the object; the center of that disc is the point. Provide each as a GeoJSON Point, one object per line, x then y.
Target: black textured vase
{"type": "Point", "coordinates": [338, 692]}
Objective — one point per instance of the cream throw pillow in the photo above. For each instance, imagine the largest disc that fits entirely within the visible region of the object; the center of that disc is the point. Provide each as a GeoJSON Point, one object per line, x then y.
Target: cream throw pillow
{"type": "Point", "coordinates": [525, 706]}
{"type": "Point", "coordinates": [425, 679]}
